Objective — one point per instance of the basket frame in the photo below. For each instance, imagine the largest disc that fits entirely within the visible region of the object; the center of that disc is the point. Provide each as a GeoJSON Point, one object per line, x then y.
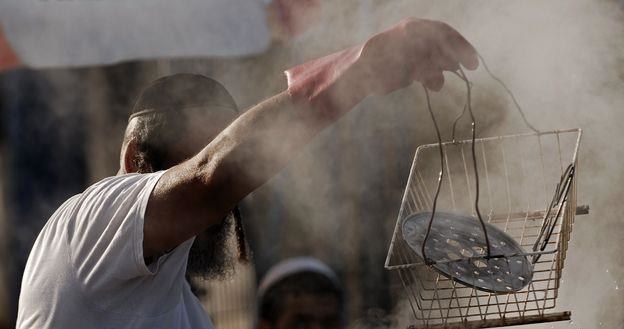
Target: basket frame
{"type": "Point", "coordinates": [432, 296]}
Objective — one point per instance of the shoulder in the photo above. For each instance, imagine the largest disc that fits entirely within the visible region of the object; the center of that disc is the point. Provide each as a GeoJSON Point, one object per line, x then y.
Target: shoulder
{"type": "Point", "coordinates": [116, 189]}
{"type": "Point", "coordinates": [107, 204]}
{"type": "Point", "coordinates": [121, 182]}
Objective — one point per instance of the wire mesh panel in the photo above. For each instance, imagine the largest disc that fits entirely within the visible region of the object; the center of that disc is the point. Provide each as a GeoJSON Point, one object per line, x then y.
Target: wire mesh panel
{"type": "Point", "coordinates": [523, 194]}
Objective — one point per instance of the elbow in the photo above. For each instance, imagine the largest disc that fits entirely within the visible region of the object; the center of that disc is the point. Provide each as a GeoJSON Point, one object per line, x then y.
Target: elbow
{"type": "Point", "coordinates": [214, 184]}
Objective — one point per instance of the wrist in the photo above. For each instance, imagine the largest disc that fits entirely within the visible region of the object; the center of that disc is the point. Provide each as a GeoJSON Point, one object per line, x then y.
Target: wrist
{"type": "Point", "coordinates": [330, 86]}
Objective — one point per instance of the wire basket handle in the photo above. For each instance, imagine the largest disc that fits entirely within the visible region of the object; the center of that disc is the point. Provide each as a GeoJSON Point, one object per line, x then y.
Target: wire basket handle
{"type": "Point", "coordinates": [440, 178]}
{"type": "Point", "coordinates": [468, 106]}
{"type": "Point", "coordinates": [548, 227]}
{"type": "Point", "coordinates": [507, 90]}
{"type": "Point", "coordinates": [510, 93]}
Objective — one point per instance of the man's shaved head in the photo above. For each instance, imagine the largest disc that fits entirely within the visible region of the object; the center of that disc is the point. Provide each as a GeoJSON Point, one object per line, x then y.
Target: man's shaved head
{"type": "Point", "coordinates": [179, 91]}
{"type": "Point", "coordinates": [174, 116]}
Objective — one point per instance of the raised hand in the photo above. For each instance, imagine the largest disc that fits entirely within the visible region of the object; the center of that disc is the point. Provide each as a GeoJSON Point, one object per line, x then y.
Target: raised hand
{"type": "Point", "coordinates": [415, 50]}
{"type": "Point", "coordinates": [412, 50]}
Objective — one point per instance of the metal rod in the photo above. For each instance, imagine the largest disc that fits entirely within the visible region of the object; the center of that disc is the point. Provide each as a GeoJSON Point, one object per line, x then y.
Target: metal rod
{"type": "Point", "coordinates": [440, 177]}
{"type": "Point", "coordinates": [492, 323]}
{"type": "Point", "coordinates": [474, 162]}
{"type": "Point", "coordinates": [509, 92]}
{"type": "Point", "coordinates": [493, 138]}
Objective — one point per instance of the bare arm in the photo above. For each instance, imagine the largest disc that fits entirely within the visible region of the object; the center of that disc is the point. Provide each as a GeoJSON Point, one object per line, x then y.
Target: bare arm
{"type": "Point", "coordinates": [199, 192]}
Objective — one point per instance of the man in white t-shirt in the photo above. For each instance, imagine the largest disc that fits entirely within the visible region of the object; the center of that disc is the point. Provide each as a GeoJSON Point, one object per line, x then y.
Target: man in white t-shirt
{"type": "Point", "coordinates": [116, 255]}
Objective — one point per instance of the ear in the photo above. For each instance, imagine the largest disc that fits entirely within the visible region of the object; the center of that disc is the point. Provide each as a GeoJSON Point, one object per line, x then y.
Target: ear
{"type": "Point", "coordinates": [132, 159]}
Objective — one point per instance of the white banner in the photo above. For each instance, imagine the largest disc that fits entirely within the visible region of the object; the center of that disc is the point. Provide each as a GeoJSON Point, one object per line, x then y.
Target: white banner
{"type": "Point", "coordinates": [49, 33]}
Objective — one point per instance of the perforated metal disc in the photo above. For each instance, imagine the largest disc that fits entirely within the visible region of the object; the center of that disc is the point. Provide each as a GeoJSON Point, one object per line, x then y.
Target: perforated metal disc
{"type": "Point", "coordinates": [455, 240]}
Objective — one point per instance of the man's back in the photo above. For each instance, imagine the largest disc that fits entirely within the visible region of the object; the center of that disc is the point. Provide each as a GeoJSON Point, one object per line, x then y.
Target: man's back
{"type": "Point", "coordinates": [86, 269]}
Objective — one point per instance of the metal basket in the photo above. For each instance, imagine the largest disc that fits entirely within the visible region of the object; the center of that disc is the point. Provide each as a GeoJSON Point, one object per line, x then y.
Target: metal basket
{"type": "Point", "coordinates": [518, 174]}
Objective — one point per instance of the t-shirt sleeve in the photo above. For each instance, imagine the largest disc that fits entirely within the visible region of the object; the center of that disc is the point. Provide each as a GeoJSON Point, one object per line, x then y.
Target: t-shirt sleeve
{"type": "Point", "coordinates": [105, 234]}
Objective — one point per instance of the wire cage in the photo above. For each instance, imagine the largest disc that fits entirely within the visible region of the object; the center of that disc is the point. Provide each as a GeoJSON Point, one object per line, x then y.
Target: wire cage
{"type": "Point", "coordinates": [528, 191]}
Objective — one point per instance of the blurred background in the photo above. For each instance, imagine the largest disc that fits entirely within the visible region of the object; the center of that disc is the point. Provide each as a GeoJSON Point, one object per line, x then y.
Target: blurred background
{"type": "Point", "coordinates": [70, 71]}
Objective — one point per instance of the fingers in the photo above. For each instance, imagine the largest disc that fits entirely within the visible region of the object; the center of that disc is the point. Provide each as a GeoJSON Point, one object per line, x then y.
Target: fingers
{"type": "Point", "coordinates": [455, 46]}
{"type": "Point", "coordinates": [430, 77]}
{"type": "Point", "coordinates": [440, 58]}
{"type": "Point", "coordinates": [435, 82]}
{"type": "Point", "coordinates": [430, 71]}
{"type": "Point", "coordinates": [419, 47]}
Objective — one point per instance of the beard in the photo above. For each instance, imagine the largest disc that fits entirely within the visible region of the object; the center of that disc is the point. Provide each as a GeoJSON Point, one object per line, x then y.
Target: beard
{"type": "Point", "coordinates": [212, 254]}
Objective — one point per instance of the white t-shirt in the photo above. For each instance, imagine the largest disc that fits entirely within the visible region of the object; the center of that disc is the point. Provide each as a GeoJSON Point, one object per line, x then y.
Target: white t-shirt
{"type": "Point", "coordinates": [86, 269]}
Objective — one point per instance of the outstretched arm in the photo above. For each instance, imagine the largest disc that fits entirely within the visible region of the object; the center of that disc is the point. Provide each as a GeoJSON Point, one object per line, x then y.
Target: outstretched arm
{"type": "Point", "coordinates": [199, 192]}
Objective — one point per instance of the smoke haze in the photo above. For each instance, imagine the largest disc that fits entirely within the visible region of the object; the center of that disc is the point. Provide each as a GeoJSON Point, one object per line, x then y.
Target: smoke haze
{"type": "Point", "coordinates": [338, 200]}
{"type": "Point", "coordinates": [564, 62]}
